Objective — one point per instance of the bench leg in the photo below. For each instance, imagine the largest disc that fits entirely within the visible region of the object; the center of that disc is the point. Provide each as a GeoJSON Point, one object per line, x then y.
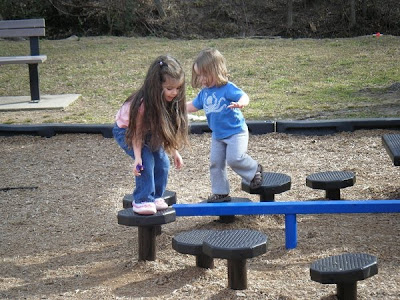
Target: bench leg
{"type": "Point", "coordinates": [34, 82]}
{"type": "Point", "coordinates": [237, 274]}
{"type": "Point", "coordinates": [147, 242]}
{"type": "Point", "coordinates": [347, 291]}
{"type": "Point", "coordinates": [204, 261]}
{"type": "Point", "coordinates": [333, 194]}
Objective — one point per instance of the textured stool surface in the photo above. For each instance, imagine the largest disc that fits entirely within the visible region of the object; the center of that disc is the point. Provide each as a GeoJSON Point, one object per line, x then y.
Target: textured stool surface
{"type": "Point", "coordinates": [392, 146]}
{"type": "Point", "coordinates": [169, 197]}
{"type": "Point", "coordinates": [233, 200]}
{"type": "Point", "coordinates": [129, 218]}
{"type": "Point", "coordinates": [273, 183]}
{"type": "Point", "coordinates": [330, 180]}
{"type": "Point", "coordinates": [349, 267]}
{"type": "Point", "coordinates": [190, 242]}
{"type": "Point", "coordinates": [235, 244]}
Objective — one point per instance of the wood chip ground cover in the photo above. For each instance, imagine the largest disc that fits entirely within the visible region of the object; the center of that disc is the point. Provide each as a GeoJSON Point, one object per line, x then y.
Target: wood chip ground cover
{"type": "Point", "coordinates": [60, 238]}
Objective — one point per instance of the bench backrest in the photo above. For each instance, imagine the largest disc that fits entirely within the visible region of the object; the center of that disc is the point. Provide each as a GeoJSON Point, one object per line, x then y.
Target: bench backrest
{"type": "Point", "coordinates": [22, 28]}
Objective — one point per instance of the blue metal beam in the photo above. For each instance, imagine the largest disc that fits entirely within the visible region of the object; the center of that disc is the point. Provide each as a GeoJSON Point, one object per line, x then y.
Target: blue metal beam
{"type": "Point", "coordinates": [289, 209]}
{"type": "Point", "coordinates": [294, 207]}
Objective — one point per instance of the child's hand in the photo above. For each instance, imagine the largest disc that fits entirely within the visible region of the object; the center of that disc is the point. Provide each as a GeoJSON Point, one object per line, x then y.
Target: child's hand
{"type": "Point", "coordinates": [235, 105]}
{"type": "Point", "coordinates": [178, 161]}
{"type": "Point", "coordinates": [138, 168]}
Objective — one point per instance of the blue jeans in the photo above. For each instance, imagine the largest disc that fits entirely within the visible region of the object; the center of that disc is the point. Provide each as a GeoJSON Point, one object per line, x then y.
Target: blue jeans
{"type": "Point", "coordinates": [153, 181]}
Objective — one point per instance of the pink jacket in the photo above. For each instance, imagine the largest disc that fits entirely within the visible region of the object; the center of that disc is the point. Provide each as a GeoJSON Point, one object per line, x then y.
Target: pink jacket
{"type": "Point", "coordinates": [122, 116]}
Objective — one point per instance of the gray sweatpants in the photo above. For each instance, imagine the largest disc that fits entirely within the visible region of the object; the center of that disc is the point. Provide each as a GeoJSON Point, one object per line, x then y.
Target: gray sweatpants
{"type": "Point", "coordinates": [231, 151]}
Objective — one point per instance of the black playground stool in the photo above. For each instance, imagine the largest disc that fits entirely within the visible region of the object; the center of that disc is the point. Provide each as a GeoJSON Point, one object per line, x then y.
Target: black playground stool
{"type": "Point", "coordinates": [273, 183]}
{"type": "Point", "coordinates": [169, 197]}
{"type": "Point", "coordinates": [148, 227]}
{"type": "Point", "coordinates": [191, 242]}
{"type": "Point", "coordinates": [235, 246]}
{"type": "Point", "coordinates": [344, 270]}
{"type": "Point", "coordinates": [331, 182]}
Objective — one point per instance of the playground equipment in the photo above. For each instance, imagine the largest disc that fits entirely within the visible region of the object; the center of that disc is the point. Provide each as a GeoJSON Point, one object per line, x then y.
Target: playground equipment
{"type": "Point", "coordinates": [344, 270]}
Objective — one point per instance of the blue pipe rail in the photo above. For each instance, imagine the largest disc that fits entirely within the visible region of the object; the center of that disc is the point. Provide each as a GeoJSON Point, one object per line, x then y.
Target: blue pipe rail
{"type": "Point", "coordinates": [289, 209]}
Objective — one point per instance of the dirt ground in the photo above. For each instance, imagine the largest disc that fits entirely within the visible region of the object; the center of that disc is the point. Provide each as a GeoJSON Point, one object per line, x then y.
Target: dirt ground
{"type": "Point", "coordinates": [60, 239]}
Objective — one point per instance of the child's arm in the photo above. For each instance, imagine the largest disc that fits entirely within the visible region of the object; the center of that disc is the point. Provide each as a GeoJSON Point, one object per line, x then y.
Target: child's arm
{"type": "Point", "coordinates": [137, 143]}
{"type": "Point", "coordinates": [137, 150]}
{"type": "Point", "coordinates": [190, 107]}
{"type": "Point", "coordinates": [178, 161]}
{"type": "Point", "coordinates": [242, 102]}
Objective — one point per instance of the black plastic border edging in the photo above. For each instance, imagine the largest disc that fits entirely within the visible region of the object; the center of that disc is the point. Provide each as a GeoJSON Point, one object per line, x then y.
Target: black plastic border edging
{"type": "Point", "coordinates": [49, 130]}
{"type": "Point", "coordinates": [316, 127]}
{"type": "Point", "coordinates": [325, 127]}
{"type": "Point", "coordinates": [255, 127]}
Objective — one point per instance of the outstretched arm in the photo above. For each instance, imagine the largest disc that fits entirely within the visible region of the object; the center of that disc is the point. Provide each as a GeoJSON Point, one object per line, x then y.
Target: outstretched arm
{"type": "Point", "coordinates": [190, 107]}
{"type": "Point", "coordinates": [243, 101]}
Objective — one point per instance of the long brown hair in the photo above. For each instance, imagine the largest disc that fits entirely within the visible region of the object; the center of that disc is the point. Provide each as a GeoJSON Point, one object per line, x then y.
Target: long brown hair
{"type": "Point", "coordinates": [167, 122]}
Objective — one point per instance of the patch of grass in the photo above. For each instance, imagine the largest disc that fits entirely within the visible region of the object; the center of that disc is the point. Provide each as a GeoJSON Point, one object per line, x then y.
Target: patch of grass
{"type": "Point", "coordinates": [284, 78]}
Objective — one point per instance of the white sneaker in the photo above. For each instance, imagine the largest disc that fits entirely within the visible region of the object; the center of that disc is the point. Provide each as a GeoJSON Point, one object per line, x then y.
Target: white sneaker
{"type": "Point", "coordinates": [144, 208]}
{"type": "Point", "coordinates": [160, 204]}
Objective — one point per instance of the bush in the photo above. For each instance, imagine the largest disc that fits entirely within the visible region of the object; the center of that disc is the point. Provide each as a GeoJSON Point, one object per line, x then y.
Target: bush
{"type": "Point", "coordinates": [207, 18]}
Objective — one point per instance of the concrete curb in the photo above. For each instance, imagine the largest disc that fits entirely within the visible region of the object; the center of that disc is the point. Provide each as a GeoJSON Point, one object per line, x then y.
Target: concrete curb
{"type": "Point", "coordinates": [317, 127]}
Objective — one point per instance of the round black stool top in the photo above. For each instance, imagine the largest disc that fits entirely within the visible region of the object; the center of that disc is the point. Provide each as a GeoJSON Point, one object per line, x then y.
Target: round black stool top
{"type": "Point", "coordinates": [330, 180]}
{"type": "Point", "coordinates": [129, 218]}
{"type": "Point", "coordinates": [349, 267]}
{"type": "Point", "coordinates": [235, 244]}
{"type": "Point", "coordinates": [190, 242]}
{"type": "Point", "coordinates": [169, 197]}
{"type": "Point", "coordinates": [233, 199]}
{"type": "Point", "coordinates": [274, 183]}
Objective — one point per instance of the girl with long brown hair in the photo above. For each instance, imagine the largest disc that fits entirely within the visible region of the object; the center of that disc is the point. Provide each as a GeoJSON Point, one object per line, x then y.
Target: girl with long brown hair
{"type": "Point", "coordinates": [152, 124]}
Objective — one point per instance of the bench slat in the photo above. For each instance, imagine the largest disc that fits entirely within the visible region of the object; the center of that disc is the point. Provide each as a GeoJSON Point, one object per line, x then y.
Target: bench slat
{"type": "Point", "coordinates": [22, 32]}
{"type": "Point", "coordinates": [36, 59]}
{"type": "Point", "coordinates": [27, 23]}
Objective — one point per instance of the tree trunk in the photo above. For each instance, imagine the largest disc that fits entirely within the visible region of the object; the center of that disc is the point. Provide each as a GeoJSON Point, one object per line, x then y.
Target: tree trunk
{"type": "Point", "coordinates": [290, 14]}
{"type": "Point", "coordinates": [159, 8]}
{"type": "Point", "coordinates": [364, 8]}
{"type": "Point", "coordinates": [352, 13]}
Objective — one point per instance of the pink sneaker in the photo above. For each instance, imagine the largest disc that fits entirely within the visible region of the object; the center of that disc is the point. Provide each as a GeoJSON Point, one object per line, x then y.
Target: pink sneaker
{"type": "Point", "coordinates": [160, 204]}
{"type": "Point", "coordinates": [144, 208]}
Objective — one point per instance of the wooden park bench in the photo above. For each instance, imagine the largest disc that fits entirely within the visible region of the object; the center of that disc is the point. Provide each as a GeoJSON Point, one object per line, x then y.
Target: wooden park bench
{"type": "Point", "coordinates": [32, 28]}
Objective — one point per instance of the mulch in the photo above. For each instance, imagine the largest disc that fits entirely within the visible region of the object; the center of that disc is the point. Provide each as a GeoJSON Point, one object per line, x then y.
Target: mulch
{"type": "Point", "coordinates": [60, 239]}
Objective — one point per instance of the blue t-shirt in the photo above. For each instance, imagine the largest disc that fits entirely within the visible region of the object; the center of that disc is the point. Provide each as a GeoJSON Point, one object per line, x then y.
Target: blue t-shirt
{"type": "Point", "coordinates": [223, 121]}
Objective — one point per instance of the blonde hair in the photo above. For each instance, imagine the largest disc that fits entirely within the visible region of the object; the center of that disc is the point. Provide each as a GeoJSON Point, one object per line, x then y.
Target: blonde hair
{"type": "Point", "coordinates": [211, 64]}
{"type": "Point", "coordinates": [166, 122]}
